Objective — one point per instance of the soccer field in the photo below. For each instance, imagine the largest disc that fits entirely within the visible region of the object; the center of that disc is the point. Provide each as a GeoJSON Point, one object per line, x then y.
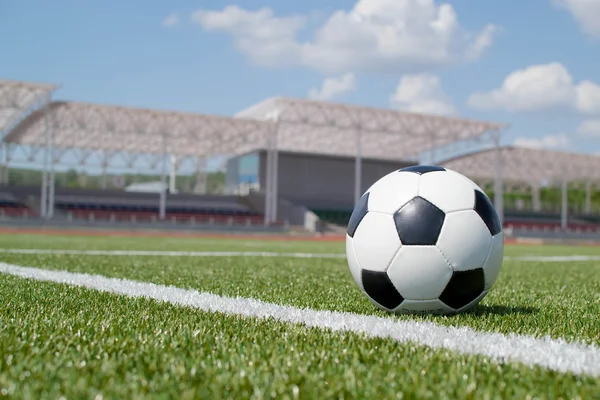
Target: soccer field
{"type": "Point", "coordinates": [206, 318]}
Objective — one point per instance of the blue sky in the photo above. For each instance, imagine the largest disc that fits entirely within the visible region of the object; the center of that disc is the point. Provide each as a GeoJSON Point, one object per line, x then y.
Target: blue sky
{"type": "Point", "coordinates": [122, 53]}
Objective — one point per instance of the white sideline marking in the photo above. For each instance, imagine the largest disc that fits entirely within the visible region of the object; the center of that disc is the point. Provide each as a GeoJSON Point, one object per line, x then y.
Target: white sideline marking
{"type": "Point", "coordinates": [554, 354]}
{"type": "Point", "coordinates": [158, 253]}
{"type": "Point", "coordinates": [553, 258]}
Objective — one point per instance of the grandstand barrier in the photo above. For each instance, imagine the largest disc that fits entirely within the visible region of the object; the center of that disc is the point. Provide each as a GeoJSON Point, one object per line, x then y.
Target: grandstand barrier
{"type": "Point", "coordinates": [174, 218]}
{"type": "Point", "coordinates": [112, 207]}
{"type": "Point", "coordinates": [93, 207]}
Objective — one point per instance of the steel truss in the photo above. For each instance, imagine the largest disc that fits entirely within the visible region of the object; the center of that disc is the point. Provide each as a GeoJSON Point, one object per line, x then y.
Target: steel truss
{"type": "Point", "coordinates": [18, 100]}
{"type": "Point", "coordinates": [109, 133]}
{"type": "Point", "coordinates": [533, 169]}
{"type": "Point", "coordinates": [348, 130]}
{"type": "Point", "coordinates": [130, 134]}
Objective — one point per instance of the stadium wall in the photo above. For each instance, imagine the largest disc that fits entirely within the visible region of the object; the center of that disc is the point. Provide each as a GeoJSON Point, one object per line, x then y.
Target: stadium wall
{"type": "Point", "coordinates": [320, 183]}
{"type": "Point", "coordinates": [309, 179]}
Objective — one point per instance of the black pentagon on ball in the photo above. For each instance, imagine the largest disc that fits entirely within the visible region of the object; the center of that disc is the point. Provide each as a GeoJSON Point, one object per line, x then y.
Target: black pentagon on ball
{"type": "Point", "coordinates": [463, 288]}
{"type": "Point", "coordinates": [419, 222]}
{"type": "Point", "coordinates": [422, 169]}
{"type": "Point", "coordinates": [360, 210]}
{"type": "Point", "coordinates": [379, 287]}
{"type": "Point", "coordinates": [487, 212]}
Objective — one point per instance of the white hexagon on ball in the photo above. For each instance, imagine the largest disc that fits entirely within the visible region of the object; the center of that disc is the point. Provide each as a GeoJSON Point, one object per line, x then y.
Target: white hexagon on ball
{"type": "Point", "coordinates": [375, 241]}
{"type": "Point", "coordinates": [425, 239]}
{"type": "Point", "coordinates": [392, 191]}
{"type": "Point", "coordinates": [447, 191]}
{"type": "Point", "coordinates": [465, 252]}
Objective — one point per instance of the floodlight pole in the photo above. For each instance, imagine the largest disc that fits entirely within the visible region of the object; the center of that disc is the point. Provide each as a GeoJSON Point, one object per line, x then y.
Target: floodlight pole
{"type": "Point", "coordinates": [163, 179]}
{"type": "Point", "coordinates": [564, 205]}
{"type": "Point", "coordinates": [498, 178]}
{"type": "Point", "coordinates": [358, 166]}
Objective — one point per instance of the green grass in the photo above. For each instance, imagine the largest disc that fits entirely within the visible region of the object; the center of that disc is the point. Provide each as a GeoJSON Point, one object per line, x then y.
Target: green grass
{"type": "Point", "coordinates": [63, 341]}
{"type": "Point", "coordinates": [529, 297]}
{"type": "Point", "coordinates": [58, 340]}
{"type": "Point", "coordinates": [75, 242]}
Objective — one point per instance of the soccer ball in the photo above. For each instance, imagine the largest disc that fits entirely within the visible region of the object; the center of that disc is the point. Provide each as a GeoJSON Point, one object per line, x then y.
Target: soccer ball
{"type": "Point", "coordinates": [425, 239]}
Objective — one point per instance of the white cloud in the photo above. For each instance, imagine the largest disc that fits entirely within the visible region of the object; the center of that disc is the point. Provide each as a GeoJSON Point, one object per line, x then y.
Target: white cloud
{"type": "Point", "coordinates": [422, 93]}
{"type": "Point", "coordinates": [386, 35]}
{"type": "Point", "coordinates": [171, 20]}
{"type": "Point", "coordinates": [267, 40]}
{"type": "Point", "coordinates": [589, 128]}
{"type": "Point", "coordinates": [540, 87]}
{"type": "Point", "coordinates": [559, 141]}
{"type": "Point", "coordinates": [333, 87]}
{"type": "Point", "coordinates": [585, 12]}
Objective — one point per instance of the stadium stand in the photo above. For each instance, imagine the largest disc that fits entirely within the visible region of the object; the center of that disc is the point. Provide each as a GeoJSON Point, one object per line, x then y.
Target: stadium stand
{"type": "Point", "coordinates": [545, 176]}
{"type": "Point", "coordinates": [11, 207]}
{"type": "Point", "coordinates": [116, 205]}
{"type": "Point", "coordinates": [311, 171]}
{"type": "Point", "coordinates": [531, 220]}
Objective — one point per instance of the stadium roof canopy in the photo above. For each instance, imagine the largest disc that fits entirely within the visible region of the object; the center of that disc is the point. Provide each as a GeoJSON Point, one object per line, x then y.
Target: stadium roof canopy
{"type": "Point", "coordinates": [18, 97]}
{"type": "Point", "coordinates": [134, 130]}
{"type": "Point", "coordinates": [325, 127]}
{"type": "Point", "coordinates": [302, 125]}
{"type": "Point", "coordinates": [529, 166]}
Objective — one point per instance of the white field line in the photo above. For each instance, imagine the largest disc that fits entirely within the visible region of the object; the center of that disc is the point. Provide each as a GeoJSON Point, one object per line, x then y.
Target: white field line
{"type": "Point", "coordinates": [554, 354]}
{"type": "Point", "coordinates": [158, 253]}
{"type": "Point", "coordinates": [553, 258]}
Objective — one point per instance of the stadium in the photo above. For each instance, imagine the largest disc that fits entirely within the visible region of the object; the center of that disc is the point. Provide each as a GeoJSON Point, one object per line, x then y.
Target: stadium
{"type": "Point", "coordinates": [289, 165]}
{"type": "Point", "coordinates": [149, 254]}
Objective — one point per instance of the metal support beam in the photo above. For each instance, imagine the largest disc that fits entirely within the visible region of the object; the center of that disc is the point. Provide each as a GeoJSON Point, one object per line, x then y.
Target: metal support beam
{"type": "Point", "coordinates": [588, 197]}
{"type": "Point", "coordinates": [103, 177]}
{"type": "Point", "coordinates": [275, 175]}
{"type": "Point", "coordinates": [268, 182]}
{"type": "Point", "coordinates": [358, 167]}
{"type": "Point", "coordinates": [564, 206]}
{"type": "Point", "coordinates": [432, 152]}
{"type": "Point", "coordinates": [173, 174]}
{"type": "Point", "coordinates": [163, 180]}
{"type": "Point", "coordinates": [200, 185]}
{"type": "Point", "coordinates": [4, 162]}
{"type": "Point", "coordinates": [535, 197]}
{"type": "Point", "coordinates": [44, 189]}
{"type": "Point", "coordinates": [498, 178]}
{"type": "Point", "coordinates": [271, 173]}
{"type": "Point", "coordinates": [51, 180]}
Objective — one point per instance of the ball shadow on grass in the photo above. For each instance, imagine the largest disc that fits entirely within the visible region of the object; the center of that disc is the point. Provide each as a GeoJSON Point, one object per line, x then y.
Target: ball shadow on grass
{"type": "Point", "coordinates": [478, 311]}
{"type": "Point", "coordinates": [484, 309]}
